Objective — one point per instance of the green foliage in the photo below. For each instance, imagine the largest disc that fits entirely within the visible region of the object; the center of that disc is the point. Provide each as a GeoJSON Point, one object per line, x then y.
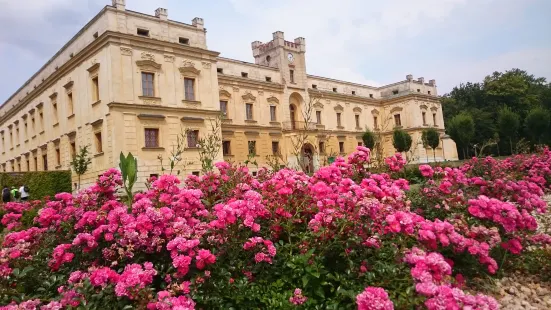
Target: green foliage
{"type": "Point", "coordinates": [81, 161]}
{"type": "Point", "coordinates": [129, 171]}
{"type": "Point", "coordinates": [537, 124]}
{"type": "Point", "coordinates": [209, 146]}
{"type": "Point", "coordinates": [40, 183]}
{"type": "Point", "coordinates": [401, 140]}
{"type": "Point", "coordinates": [461, 130]}
{"type": "Point", "coordinates": [368, 139]}
{"type": "Point", "coordinates": [508, 124]}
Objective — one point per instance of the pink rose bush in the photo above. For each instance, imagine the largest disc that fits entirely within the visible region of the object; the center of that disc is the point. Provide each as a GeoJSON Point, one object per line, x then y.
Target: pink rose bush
{"type": "Point", "coordinates": [343, 237]}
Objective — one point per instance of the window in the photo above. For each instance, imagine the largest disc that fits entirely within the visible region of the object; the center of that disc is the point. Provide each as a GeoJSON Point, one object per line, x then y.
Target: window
{"type": "Point", "coordinates": [424, 118]}
{"type": "Point", "coordinates": [192, 138]}
{"type": "Point", "coordinates": [95, 89]}
{"type": "Point", "coordinates": [143, 32]}
{"type": "Point", "coordinates": [41, 116]}
{"type": "Point", "coordinates": [353, 92]}
{"type": "Point", "coordinates": [224, 108]}
{"type": "Point", "coordinates": [147, 84]}
{"type": "Point", "coordinates": [249, 111]}
{"type": "Point", "coordinates": [32, 124]}
{"type": "Point", "coordinates": [395, 92]}
{"type": "Point", "coordinates": [321, 146]}
{"type": "Point", "coordinates": [360, 144]}
{"type": "Point", "coordinates": [375, 123]}
{"type": "Point", "coordinates": [429, 92]}
{"type": "Point", "coordinates": [334, 89]}
{"type": "Point", "coordinates": [244, 74]}
{"type": "Point", "coordinates": [252, 147]}
{"type": "Point", "coordinates": [99, 142]}
{"type": "Point", "coordinates": [341, 146]}
{"type": "Point", "coordinates": [397, 120]}
{"type": "Point", "coordinates": [73, 149]}
{"type": "Point", "coordinates": [195, 173]}
{"type": "Point", "coordinates": [45, 162]}
{"type": "Point", "coordinates": [184, 41]}
{"type": "Point", "coordinates": [254, 173]}
{"type": "Point", "coordinates": [70, 107]}
{"type": "Point", "coordinates": [26, 130]}
{"type": "Point", "coordinates": [292, 75]}
{"type": "Point", "coordinates": [151, 137]}
{"type": "Point", "coordinates": [220, 70]}
{"type": "Point", "coordinates": [418, 90]}
{"type": "Point", "coordinates": [95, 35]}
{"type": "Point", "coordinates": [268, 79]}
{"type": "Point", "coordinates": [226, 148]}
{"type": "Point", "coordinates": [318, 117]}
{"type": "Point", "coordinates": [370, 95]}
{"type": "Point", "coordinates": [338, 120]}
{"type": "Point", "coordinates": [153, 176]}
{"type": "Point", "coordinates": [36, 164]}
{"type": "Point", "coordinates": [58, 157]}
{"type": "Point", "coordinates": [434, 119]}
{"type": "Point", "coordinates": [314, 86]}
{"type": "Point", "coordinates": [357, 117]}
{"type": "Point", "coordinates": [275, 147]}
{"type": "Point", "coordinates": [273, 116]}
{"type": "Point", "coordinates": [54, 108]}
{"type": "Point", "coordinates": [189, 89]}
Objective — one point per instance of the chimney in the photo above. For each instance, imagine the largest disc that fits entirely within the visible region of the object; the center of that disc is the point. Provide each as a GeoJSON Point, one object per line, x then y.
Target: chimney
{"type": "Point", "coordinates": [432, 82]}
{"type": "Point", "coordinates": [409, 77]}
{"type": "Point", "coordinates": [119, 4]}
{"type": "Point", "coordinates": [421, 80]}
{"type": "Point", "coordinates": [198, 23]}
{"type": "Point", "coordinates": [161, 14]}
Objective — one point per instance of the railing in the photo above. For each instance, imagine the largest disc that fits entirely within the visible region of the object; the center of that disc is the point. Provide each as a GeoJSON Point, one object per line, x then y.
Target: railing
{"type": "Point", "coordinates": [290, 126]}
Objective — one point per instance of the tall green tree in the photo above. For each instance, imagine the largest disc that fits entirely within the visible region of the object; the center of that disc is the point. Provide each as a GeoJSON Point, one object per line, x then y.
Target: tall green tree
{"type": "Point", "coordinates": [461, 129]}
{"type": "Point", "coordinates": [433, 140]}
{"type": "Point", "coordinates": [537, 124]}
{"type": "Point", "coordinates": [369, 139]}
{"type": "Point", "coordinates": [81, 161]}
{"type": "Point", "coordinates": [401, 141]}
{"type": "Point", "coordinates": [508, 124]}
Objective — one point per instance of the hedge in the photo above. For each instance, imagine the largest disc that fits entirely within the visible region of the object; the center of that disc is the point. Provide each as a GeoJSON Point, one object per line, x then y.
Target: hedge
{"type": "Point", "coordinates": [40, 183]}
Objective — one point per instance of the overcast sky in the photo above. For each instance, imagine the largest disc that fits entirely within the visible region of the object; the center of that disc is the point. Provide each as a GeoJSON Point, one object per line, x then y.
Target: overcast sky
{"type": "Point", "coordinates": [374, 42]}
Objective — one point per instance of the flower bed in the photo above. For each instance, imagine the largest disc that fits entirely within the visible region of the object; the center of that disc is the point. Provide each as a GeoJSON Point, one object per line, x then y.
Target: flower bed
{"type": "Point", "coordinates": [340, 239]}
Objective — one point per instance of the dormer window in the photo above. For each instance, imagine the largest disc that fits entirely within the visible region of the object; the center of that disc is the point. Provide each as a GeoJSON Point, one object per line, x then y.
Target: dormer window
{"type": "Point", "coordinates": [184, 41]}
{"type": "Point", "coordinates": [143, 32]}
{"type": "Point", "coordinates": [219, 70]}
{"type": "Point", "coordinates": [395, 92]}
{"type": "Point", "coordinates": [370, 95]}
{"type": "Point", "coordinates": [268, 79]}
{"type": "Point", "coordinates": [418, 90]}
{"type": "Point", "coordinates": [334, 89]}
{"type": "Point", "coordinates": [244, 74]}
{"type": "Point", "coordinates": [353, 92]}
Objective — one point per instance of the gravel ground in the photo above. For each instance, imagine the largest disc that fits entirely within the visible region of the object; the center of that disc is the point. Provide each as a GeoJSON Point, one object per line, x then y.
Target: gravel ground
{"type": "Point", "coordinates": [519, 291]}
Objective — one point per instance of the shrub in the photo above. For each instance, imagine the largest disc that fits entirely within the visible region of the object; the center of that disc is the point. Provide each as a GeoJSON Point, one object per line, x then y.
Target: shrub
{"type": "Point", "coordinates": [40, 183]}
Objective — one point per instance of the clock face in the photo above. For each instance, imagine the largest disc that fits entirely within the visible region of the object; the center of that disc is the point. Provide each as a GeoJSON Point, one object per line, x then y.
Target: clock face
{"type": "Point", "coordinates": [290, 57]}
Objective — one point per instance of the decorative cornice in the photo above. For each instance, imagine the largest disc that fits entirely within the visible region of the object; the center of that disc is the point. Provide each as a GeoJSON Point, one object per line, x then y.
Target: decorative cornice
{"type": "Point", "coordinates": [94, 67]}
{"type": "Point", "coordinates": [96, 122]}
{"type": "Point", "coordinates": [161, 109]}
{"type": "Point", "coordinates": [237, 81]}
{"type": "Point", "coordinates": [396, 109]}
{"type": "Point", "coordinates": [357, 110]}
{"type": "Point", "coordinates": [169, 58]}
{"type": "Point", "coordinates": [318, 105]}
{"type": "Point", "coordinates": [273, 99]}
{"type": "Point", "coordinates": [206, 64]}
{"type": "Point", "coordinates": [151, 116]}
{"type": "Point", "coordinates": [148, 63]}
{"type": "Point", "coordinates": [53, 95]}
{"type": "Point", "coordinates": [126, 51]}
{"type": "Point", "coordinates": [148, 56]}
{"type": "Point", "coordinates": [193, 70]}
{"type": "Point", "coordinates": [224, 93]}
{"type": "Point", "coordinates": [339, 108]}
{"type": "Point", "coordinates": [248, 97]}
{"type": "Point", "coordinates": [191, 119]}
{"type": "Point", "coordinates": [375, 112]}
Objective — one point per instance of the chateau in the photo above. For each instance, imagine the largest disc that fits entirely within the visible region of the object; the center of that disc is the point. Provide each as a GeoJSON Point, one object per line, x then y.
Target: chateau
{"type": "Point", "coordinates": [131, 82]}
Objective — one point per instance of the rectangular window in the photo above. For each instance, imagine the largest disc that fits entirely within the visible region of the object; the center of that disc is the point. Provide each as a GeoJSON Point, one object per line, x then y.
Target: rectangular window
{"type": "Point", "coordinates": [268, 79]}
{"type": "Point", "coordinates": [338, 119]}
{"type": "Point", "coordinates": [292, 75]}
{"type": "Point", "coordinates": [142, 32]}
{"type": "Point", "coordinates": [192, 138]}
{"type": "Point", "coordinates": [36, 164]}
{"type": "Point", "coordinates": [26, 130]}
{"type": "Point", "coordinates": [252, 147]}
{"type": "Point", "coordinates": [33, 123]}
{"type": "Point", "coordinates": [334, 89]}
{"type": "Point", "coordinates": [321, 147]}
{"type": "Point", "coordinates": [314, 86]}
{"type": "Point", "coordinates": [357, 118]}
{"type": "Point", "coordinates": [147, 84]}
{"type": "Point", "coordinates": [70, 106]}
{"type": "Point", "coordinates": [58, 157]}
{"type": "Point", "coordinates": [275, 147]}
{"type": "Point", "coordinates": [353, 92]}
{"type": "Point", "coordinates": [249, 111]}
{"type": "Point", "coordinates": [341, 146]}
{"type": "Point", "coordinates": [375, 123]}
{"type": "Point", "coordinates": [424, 115]}
{"type": "Point", "coordinates": [54, 109]}
{"type": "Point", "coordinates": [360, 144]}
{"type": "Point", "coordinates": [184, 41]}
{"type": "Point", "coordinates": [151, 137]}
{"type": "Point", "coordinates": [196, 173]}
{"type": "Point", "coordinates": [28, 165]}
{"type": "Point", "coordinates": [418, 90]}
{"type": "Point", "coordinates": [429, 92]}
{"type": "Point", "coordinates": [434, 119]}
{"type": "Point", "coordinates": [95, 89]}
{"type": "Point", "coordinates": [244, 74]}
{"type": "Point", "coordinates": [220, 70]}
{"type": "Point", "coordinates": [45, 162]}
{"type": "Point", "coordinates": [273, 116]}
{"type": "Point", "coordinates": [189, 89]}
{"type": "Point", "coordinates": [73, 149]}
{"type": "Point", "coordinates": [370, 95]}
{"type": "Point", "coordinates": [99, 142]}
{"type": "Point", "coordinates": [224, 108]}
{"type": "Point", "coordinates": [318, 117]}
{"type": "Point", "coordinates": [397, 120]}
{"type": "Point", "coordinates": [226, 148]}
{"type": "Point", "coordinates": [395, 92]}
{"type": "Point", "coordinates": [41, 117]}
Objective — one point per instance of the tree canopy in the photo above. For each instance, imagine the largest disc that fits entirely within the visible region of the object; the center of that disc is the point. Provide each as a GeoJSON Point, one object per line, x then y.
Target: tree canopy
{"type": "Point", "coordinates": [401, 140]}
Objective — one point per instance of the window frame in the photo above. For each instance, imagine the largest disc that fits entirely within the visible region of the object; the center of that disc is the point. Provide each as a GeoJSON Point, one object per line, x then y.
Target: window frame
{"type": "Point", "coordinates": [273, 113]}
{"type": "Point", "coordinates": [192, 136]}
{"type": "Point", "coordinates": [156, 139]}
{"type": "Point", "coordinates": [341, 147]}
{"type": "Point", "coordinates": [251, 146]}
{"type": "Point", "coordinates": [145, 74]}
{"type": "Point", "coordinates": [189, 96]}
{"type": "Point", "coordinates": [397, 120]}
{"type": "Point", "coordinates": [247, 110]}
{"type": "Point", "coordinates": [339, 119]}
{"type": "Point", "coordinates": [277, 150]}
{"type": "Point", "coordinates": [226, 148]}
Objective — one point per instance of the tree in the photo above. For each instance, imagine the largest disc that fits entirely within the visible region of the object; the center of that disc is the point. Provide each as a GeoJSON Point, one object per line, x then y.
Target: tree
{"type": "Point", "coordinates": [425, 143]}
{"type": "Point", "coordinates": [433, 140]}
{"type": "Point", "coordinates": [508, 124]}
{"type": "Point", "coordinates": [461, 129]}
{"type": "Point", "coordinates": [81, 161]}
{"type": "Point", "coordinates": [209, 146]}
{"type": "Point", "coordinates": [537, 124]}
{"type": "Point", "coordinates": [401, 141]}
{"type": "Point", "coordinates": [369, 139]}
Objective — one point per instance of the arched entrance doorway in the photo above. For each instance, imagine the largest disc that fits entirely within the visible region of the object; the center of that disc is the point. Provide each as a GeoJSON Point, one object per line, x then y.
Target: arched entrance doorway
{"type": "Point", "coordinates": [292, 115]}
{"type": "Point", "coordinates": [307, 158]}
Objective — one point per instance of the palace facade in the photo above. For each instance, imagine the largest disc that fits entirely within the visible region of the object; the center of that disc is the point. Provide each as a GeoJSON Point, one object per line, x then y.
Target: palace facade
{"type": "Point", "coordinates": [131, 82]}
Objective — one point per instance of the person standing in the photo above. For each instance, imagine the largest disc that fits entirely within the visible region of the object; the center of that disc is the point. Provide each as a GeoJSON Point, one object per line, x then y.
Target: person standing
{"type": "Point", "coordinates": [14, 193]}
{"type": "Point", "coordinates": [6, 195]}
{"type": "Point", "coordinates": [24, 192]}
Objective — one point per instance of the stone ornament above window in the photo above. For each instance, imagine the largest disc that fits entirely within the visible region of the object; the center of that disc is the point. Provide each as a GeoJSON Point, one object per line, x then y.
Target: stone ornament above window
{"type": "Point", "coordinates": [127, 51]}
{"type": "Point", "coordinates": [169, 58]}
{"type": "Point", "coordinates": [188, 67]}
{"type": "Point", "coordinates": [148, 56]}
{"type": "Point", "coordinates": [248, 97]}
{"type": "Point", "coordinates": [224, 93]}
{"type": "Point", "coordinates": [318, 105]}
{"type": "Point", "coordinates": [272, 99]}
{"type": "Point", "coordinates": [206, 64]}
{"type": "Point", "coordinates": [339, 108]}
{"type": "Point", "coordinates": [148, 65]}
{"type": "Point", "coordinates": [357, 110]}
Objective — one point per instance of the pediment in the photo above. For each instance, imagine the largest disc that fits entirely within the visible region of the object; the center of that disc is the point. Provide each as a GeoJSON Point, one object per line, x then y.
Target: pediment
{"type": "Point", "coordinates": [375, 112]}
{"type": "Point", "coordinates": [224, 93]}
{"type": "Point", "coordinates": [273, 99]}
{"type": "Point", "coordinates": [146, 63]}
{"type": "Point", "coordinates": [318, 105]}
{"type": "Point", "coordinates": [339, 108]}
{"type": "Point", "coordinates": [357, 110]}
{"type": "Point", "coordinates": [423, 107]}
{"type": "Point", "coordinates": [189, 69]}
{"type": "Point", "coordinates": [396, 109]}
{"type": "Point", "coordinates": [248, 97]}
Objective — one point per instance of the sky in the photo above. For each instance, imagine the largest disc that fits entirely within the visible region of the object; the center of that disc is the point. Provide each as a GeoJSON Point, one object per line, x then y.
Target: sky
{"type": "Point", "coordinates": [371, 42]}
